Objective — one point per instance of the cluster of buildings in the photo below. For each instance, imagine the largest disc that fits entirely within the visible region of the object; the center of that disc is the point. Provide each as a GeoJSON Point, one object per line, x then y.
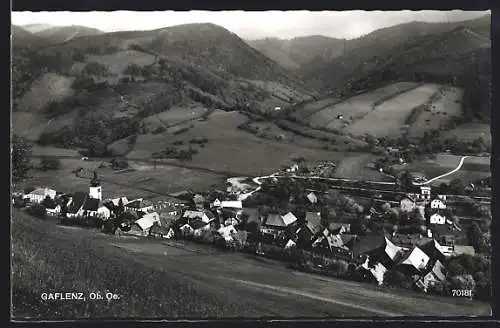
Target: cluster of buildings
{"type": "Point", "coordinates": [417, 256]}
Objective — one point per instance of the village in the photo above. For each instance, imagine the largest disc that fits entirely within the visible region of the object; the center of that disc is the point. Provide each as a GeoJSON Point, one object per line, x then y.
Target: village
{"type": "Point", "coordinates": [407, 243]}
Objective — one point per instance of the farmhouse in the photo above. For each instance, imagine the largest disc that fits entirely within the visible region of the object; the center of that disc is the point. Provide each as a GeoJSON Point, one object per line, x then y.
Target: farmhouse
{"type": "Point", "coordinates": [148, 220]}
{"type": "Point", "coordinates": [233, 204]}
{"type": "Point", "coordinates": [199, 201]}
{"type": "Point", "coordinates": [53, 209]}
{"type": "Point", "coordinates": [199, 227]}
{"type": "Point", "coordinates": [332, 244]}
{"type": "Point", "coordinates": [313, 222]}
{"type": "Point", "coordinates": [378, 248]}
{"type": "Point", "coordinates": [434, 250]}
{"type": "Point", "coordinates": [338, 228]}
{"type": "Point", "coordinates": [139, 205]}
{"type": "Point", "coordinates": [275, 223]}
{"type": "Point", "coordinates": [438, 204]}
{"type": "Point", "coordinates": [312, 198]}
{"type": "Point", "coordinates": [437, 218]}
{"type": "Point", "coordinates": [116, 201]}
{"type": "Point", "coordinates": [216, 203]}
{"type": "Point", "coordinates": [376, 270]}
{"type": "Point", "coordinates": [227, 232]}
{"type": "Point", "coordinates": [158, 231]}
{"type": "Point", "coordinates": [204, 216]}
{"type": "Point", "coordinates": [407, 204]}
{"type": "Point", "coordinates": [435, 275]}
{"type": "Point", "coordinates": [415, 261]}
{"type": "Point", "coordinates": [39, 194]}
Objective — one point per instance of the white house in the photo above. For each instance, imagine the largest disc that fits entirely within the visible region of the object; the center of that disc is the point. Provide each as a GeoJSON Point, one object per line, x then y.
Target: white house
{"type": "Point", "coordinates": [293, 168]}
{"type": "Point", "coordinates": [438, 204]}
{"type": "Point", "coordinates": [148, 220]}
{"type": "Point", "coordinates": [116, 201]}
{"type": "Point", "coordinates": [227, 232]}
{"type": "Point", "coordinates": [53, 211]}
{"type": "Point", "coordinates": [139, 205]}
{"type": "Point", "coordinates": [231, 204]}
{"type": "Point", "coordinates": [437, 218]}
{"type": "Point", "coordinates": [407, 204]}
{"type": "Point", "coordinates": [216, 203]}
{"type": "Point", "coordinates": [312, 198]}
{"type": "Point", "coordinates": [425, 191]}
{"type": "Point", "coordinates": [39, 194]}
{"type": "Point", "coordinates": [377, 271]}
{"type": "Point", "coordinates": [416, 259]}
{"type": "Point", "coordinates": [203, 216]}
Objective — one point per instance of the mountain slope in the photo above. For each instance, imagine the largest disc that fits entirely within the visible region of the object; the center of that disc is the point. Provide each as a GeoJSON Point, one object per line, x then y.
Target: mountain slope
{"type": "Point", "coordinates": [23, 40]}
{"type": "Point", "coordinates": [299, 51]}
{"type": "Point", "coordinates": [120, 85]}
{"type": "Point", "coordinates": [444, 53]}
{"type": "Point", "coordinates": [58, 34]}
{"type": "Point", "coordinates": [35, 28]}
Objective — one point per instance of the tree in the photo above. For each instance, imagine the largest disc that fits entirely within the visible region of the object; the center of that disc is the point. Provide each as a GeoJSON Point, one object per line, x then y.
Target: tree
{"type": "Point", "coordinates": [50, 163]}
{"type": "Point", "coordinates": [37, 210]}
{"type": "Point", "coordinates": [405, 180]}
{"type": "Point", "coordinates": [120, 208]}
{"type": "Point", "coordinates": [454, 268]}
{"type": "Point", "coordinates": [21, 151]}
{"type": "Point", "coordinates": [395, 278]}
{"type": "Point", "coordinates": [385, 207]}
{"type": "Point", "coordinates": [457, 187]}
{"type": "Point", "coordinates": [48, 202]}
{"type": "Point", "coordinates": [476, 238]}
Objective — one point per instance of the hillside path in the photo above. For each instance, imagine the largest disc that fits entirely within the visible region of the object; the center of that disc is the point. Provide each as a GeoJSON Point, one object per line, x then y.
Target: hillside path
{"type": "Point", "coordinates": [446, 174]}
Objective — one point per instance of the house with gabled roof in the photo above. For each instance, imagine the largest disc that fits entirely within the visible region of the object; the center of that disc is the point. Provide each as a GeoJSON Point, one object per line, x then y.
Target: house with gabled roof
{"type": "Point", "coordinates": [332, 245]}
{"type": "Point", "coordinates": [434, 275]}
{"type": "Point", "coordinates": [379, 249]}
{"type": "Point", "coordinates": [407, 204]}
{"type": "Point", "coordinates": [414, 261]}
{"type": "Point", "coordinates": [338, 228]}
{"type": "Point", "coordinates": [205, 216]}
{"type": "Point", "coordinates": [376, 270]}
{"type": "Point", "coordinates": [434, 250]}
{"type": "Point", "coordinates": [139, 205]}
{"type": "Point", "coordinates": [39, 194]}
{"type": "Point", "coordinates": [276, 224]}
{"type": "Point", "coordinates": [312, 198]}
{"type": "Point", "coordinates": [438, 203]}
{"type": "Point", "coordinates": [231, 204]}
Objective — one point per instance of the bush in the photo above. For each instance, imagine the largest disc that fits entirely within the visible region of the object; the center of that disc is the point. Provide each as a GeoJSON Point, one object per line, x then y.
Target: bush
{"type": "Point", "coordinates": [50, 163]}
{"type": "Point", "coordinates": [395, 278]}
{"type": "Point", "coordinates": [37, 210]}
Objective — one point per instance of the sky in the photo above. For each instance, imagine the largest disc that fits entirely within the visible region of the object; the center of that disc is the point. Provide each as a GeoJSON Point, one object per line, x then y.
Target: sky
{"type": "Point", "coordinates": [250, 24]}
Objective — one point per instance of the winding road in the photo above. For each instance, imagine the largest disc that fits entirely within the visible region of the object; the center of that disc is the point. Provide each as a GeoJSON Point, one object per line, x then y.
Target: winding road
{"type": "Point", "coordinates": [444, 175]}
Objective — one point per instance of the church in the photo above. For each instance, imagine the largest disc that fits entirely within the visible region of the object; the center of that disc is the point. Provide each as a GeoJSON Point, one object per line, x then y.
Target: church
{"type": "Point", "coordinates": [89, 204]}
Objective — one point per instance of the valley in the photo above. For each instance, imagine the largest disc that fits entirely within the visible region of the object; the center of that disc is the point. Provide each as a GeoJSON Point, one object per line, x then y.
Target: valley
{"type": "Point", "coordinates": [345, 137]}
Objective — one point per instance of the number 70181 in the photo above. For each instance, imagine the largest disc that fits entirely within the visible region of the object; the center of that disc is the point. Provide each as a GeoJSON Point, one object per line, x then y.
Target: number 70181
{"type": "Point", "coordinates": [461, 292]}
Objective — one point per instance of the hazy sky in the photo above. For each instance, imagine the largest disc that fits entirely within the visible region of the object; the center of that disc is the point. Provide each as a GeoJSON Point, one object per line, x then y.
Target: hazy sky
{"type": "Point", "coordinates": [248, 25]}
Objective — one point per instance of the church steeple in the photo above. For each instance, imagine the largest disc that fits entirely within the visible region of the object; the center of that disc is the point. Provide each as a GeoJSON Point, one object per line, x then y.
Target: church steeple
{"type": "Point", "coordinates": [95, 190]}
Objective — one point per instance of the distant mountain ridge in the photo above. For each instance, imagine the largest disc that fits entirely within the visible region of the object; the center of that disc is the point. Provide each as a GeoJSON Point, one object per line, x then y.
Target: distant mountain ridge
{"type": "Point", "coordinates": [300, 50]}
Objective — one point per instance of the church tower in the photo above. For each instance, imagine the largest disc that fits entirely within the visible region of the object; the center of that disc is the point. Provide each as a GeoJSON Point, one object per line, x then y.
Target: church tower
{"type": "Point", "coordinates": [95, 188]}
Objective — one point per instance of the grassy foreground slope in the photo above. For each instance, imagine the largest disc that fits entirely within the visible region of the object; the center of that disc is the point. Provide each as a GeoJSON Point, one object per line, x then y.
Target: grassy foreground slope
{"type": "Point", "coordinates": [154, 279]}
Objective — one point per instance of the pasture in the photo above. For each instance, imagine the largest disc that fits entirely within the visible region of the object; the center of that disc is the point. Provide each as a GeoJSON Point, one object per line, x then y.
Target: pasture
{"type": "Point", "coordinates": [49, 87]}
{"type": "Point", "coordinates": [53, 151]}
{"type": "Point", "coordinates": [312, 107]}
{"type": "Point", "coordinates": [388, 118]}
{"type": "Point", "coordinates": [228, 148]}
{"type": "Point", "coordinates": [474, 167]}
{"type": "Point", "coordinates": [436, 114]}
{"type": "Point", "coordinates": [28, 125]}
{"type": "Point", "coordinates": [280, 91]}
{"type": "Point", "coordinates": [173, 116]}
{"type": "Point", "coordinates": [354, 166]}
{"type": "Point", "coordinates": [119, 61]}
{"type": "Point", "coordinates": [354, 108]}
{"type": "Point", "coordinates": [469, 132]}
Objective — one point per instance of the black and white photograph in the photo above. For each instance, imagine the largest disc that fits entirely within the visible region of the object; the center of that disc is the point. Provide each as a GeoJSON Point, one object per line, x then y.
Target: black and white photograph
{"type": "Point", "coordinates": [191, 165]}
